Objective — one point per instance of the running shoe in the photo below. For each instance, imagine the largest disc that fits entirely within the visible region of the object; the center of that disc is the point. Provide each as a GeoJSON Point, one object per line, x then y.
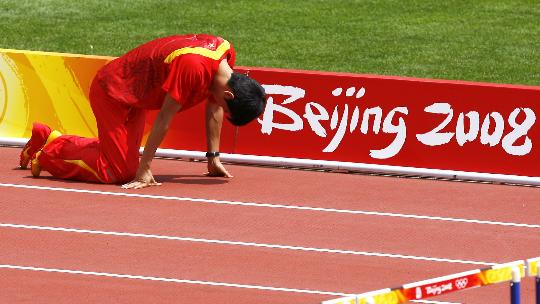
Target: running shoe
{"type": "Point", "coordinates": [40, 133]}
{"type": "Point", "coordinates": [35, 167]}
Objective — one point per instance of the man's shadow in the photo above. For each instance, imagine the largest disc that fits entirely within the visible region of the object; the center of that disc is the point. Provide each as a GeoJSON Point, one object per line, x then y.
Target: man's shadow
{"type": "Point", "coordinates": [191, 179]}
{"type": "Point", "coordinates": [174, 179]}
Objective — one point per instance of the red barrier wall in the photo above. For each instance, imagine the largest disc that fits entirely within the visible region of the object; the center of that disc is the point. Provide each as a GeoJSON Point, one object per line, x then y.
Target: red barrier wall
{"type": "Point", "coordinates": [420, 123]}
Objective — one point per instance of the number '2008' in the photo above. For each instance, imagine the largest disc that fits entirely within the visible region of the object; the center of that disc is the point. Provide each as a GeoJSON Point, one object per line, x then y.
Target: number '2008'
{"type": "Point", "coordinates": [436, 138]}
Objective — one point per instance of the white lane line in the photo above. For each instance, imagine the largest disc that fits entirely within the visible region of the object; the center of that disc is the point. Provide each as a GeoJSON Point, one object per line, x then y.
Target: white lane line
{"type": "Point", "coordinates": [171, 280]}
{"type": "Point", "coordinates": [249, 244]}
{"type": "Point", "coordinates": [278, 206]}
{"type": "Point", "coordinates": [185, 281]}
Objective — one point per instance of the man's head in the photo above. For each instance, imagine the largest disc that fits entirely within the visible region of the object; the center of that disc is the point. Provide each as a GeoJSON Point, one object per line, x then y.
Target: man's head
{"type": "Point", "coordinates": [241, 97]}
{"type": "Point", "coordinates": [247, 100]}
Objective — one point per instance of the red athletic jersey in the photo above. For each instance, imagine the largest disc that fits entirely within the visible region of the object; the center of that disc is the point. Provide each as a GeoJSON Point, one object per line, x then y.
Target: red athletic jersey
{"type": "Point", "coordinates": [183, 66]}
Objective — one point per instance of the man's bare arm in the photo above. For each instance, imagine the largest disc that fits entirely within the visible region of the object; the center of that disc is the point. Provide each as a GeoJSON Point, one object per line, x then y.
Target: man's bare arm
{"type": "Point", "coordinates": [214, 122]}
{"type": "Point", "coordinates": [144, 177]}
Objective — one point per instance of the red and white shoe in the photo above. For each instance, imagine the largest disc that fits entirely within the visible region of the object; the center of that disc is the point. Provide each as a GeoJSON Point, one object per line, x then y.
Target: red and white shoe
{"type": "Point", "coordinates": [40, 133]}
{"type": "Point", "coordinates": [35, 167]}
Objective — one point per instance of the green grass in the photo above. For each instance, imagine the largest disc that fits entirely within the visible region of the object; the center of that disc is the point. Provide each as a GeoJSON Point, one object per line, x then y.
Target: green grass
{"type": "Point", "coordinates": [481, 40]}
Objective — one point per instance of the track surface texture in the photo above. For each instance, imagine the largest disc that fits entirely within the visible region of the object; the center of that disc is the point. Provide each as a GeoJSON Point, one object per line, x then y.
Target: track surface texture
{"type": "Point", "coordinates": [265, 236]}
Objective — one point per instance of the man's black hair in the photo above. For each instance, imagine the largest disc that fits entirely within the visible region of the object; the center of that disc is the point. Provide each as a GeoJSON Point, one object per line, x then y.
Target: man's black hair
{"type": "Point", "coordinates": [249, 99]}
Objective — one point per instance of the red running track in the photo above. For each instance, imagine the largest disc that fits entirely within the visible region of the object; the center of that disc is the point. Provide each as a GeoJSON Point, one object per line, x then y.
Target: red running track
{"type": "Point", "coordinates": [311, 235]}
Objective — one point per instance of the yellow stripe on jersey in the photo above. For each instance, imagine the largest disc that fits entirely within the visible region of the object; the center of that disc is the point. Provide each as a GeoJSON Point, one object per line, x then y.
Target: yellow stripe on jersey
{"type": "Point", "coordinates": [83, 165]}
{"type": "Point", "coordinates": [223, 47]}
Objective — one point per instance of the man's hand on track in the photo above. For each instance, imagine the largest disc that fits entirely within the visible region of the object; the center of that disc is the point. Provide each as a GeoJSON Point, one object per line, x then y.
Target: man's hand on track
{"type": "Point", "coordinates": [216, 169]}
{"type": "Point", "coordinates": [142, 180]}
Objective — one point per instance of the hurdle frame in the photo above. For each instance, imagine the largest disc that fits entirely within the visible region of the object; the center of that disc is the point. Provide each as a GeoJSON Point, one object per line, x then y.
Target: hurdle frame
{"type": "Point", "coordinates": [512, 272]}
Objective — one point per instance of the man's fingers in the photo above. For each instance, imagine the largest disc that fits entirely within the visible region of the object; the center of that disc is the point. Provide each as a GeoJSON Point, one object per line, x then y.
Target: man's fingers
{"type": "Point", "coordinates": [218, 174]}
{"type": "Point", "coordinates": [225, 173]}
{"type": "Point", "coordinates": [133, 185]}
{"type": "Point", "coordinates": [154, 183]}
{"type": "Point", "coordinates": [130, 185]}
{"type": "Point", "coordinates": [144, 185]}
{"type": "Point", "coordinates": [139, 185]}
{"type": "Point", "coordinates": [142, 180]}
